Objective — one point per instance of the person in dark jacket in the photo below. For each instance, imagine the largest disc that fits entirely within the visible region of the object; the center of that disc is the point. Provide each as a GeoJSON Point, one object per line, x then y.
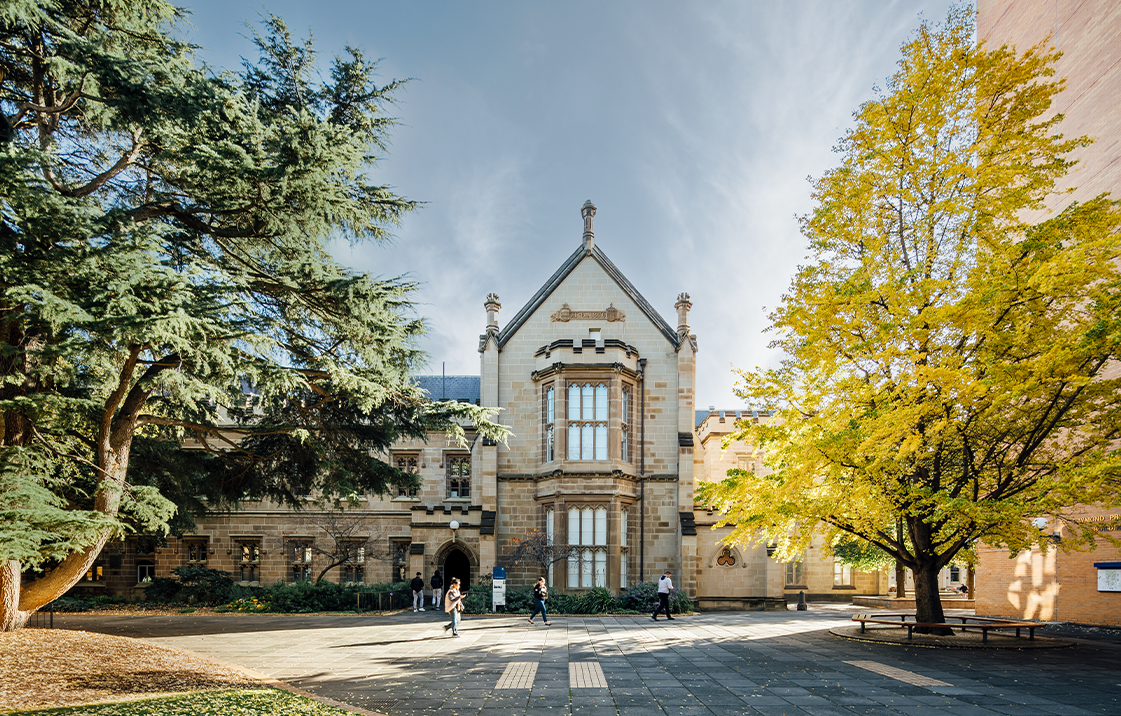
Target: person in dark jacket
{"type": "Point", "coordinates": [540, 594]}
{"type": "Point", "coordinates": [437, 587]}
{"type": "Point", "coordinates": [418, 592]}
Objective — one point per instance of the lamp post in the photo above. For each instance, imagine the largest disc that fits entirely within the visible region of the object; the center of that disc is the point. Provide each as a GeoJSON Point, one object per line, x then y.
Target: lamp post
{"type": "Point", "coordinates": [455, 526]}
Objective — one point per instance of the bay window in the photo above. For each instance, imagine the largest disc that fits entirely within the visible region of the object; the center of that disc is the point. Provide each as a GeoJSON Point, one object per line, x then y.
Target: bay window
{"type": "Point", "coordinates": [587, 421]}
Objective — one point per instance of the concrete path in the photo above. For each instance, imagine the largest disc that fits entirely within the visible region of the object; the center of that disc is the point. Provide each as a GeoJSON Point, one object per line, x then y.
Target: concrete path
{"type": "Point", "coordinates": [772, 663]}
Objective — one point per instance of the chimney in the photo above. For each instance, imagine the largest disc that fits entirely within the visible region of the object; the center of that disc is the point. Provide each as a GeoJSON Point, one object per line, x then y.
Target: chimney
{"type": "Point", "coordinates": [492, 306]}
{"type": "Point", "coordinates": [588, 211]}
{"type": "Point", "coordinates": [683, 305]}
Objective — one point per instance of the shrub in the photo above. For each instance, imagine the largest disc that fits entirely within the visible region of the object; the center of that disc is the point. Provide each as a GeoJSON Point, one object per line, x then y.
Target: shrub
{"type": "Point", "coordinates": [163, 590]}
{"type": "Point", "coordinates": [480, 598]}
{"type": "Point", "coordinates": [643, 596]}
{"type": "Point", "coordinates": [596, 600]}
{"type": "Point", "coordinates": [202, 585]}
{"type": "Point", "coordinates": [69, 604]}
{"type": "Point", "coordinates": [304, 597]}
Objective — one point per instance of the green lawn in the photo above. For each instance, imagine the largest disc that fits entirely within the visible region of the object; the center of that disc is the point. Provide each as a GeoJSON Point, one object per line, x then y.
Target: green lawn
{"type": "Point", "coordinates": [239, 702]}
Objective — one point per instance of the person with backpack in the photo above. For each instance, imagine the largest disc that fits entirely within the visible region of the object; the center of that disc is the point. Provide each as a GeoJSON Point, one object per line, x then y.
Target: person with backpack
{"type": "Point", "coordinates": [540, 594]}
{"type": "Point", "coordinates": [665, 584]}
{"type": "Point", "coordinates": [418, 592]}
{"type": "Point", "coordinates": [437, 587]}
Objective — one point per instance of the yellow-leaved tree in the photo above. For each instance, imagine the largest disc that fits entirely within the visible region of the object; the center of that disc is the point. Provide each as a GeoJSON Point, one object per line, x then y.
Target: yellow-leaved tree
{"type": "Point", "coordinates": [946, 371]}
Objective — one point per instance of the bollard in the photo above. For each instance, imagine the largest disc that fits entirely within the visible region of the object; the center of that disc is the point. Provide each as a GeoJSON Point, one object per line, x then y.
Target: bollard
{"type": "Point", "coordinates": [801, 601]}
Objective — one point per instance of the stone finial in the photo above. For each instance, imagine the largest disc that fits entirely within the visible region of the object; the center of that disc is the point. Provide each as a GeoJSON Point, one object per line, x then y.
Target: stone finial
{"type": "Point", "coordinates": [588, 211]}
{"type": "Point", "coordinates": [492, 306]}
{"type": "Point", "coordinates": [683, 305]}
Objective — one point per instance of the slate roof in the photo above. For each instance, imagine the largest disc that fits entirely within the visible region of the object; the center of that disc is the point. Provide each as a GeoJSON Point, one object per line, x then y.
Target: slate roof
{"type": "Point", "coordinates": [462, 388]}
{"type": "Point", "coordinates": [568, 267]}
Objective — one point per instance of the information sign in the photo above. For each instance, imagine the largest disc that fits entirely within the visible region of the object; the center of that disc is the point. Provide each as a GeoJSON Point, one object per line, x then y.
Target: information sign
{"type": "Point", "coordinates": [498, 592]}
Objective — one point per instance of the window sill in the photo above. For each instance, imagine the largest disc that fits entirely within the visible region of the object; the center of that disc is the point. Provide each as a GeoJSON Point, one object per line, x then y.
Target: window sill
{"type": "Point", "coordinates": [401, 498]}
{"type": "Point", "coordinates": [843, 586]}
{"type": "Point", "coordinates": [796, 586]}
{"type": "Point", "coordinates": [457, 499]}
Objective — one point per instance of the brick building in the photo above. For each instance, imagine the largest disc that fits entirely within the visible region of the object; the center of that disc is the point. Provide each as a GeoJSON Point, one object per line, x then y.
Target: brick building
{"type": "Point", "coordinates": [1050, 584]}
{"type": "Point", "coordinates": [598, 390]}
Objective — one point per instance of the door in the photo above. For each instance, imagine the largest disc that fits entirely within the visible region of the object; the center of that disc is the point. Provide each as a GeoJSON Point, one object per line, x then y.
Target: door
{"type": "Point", "coordinates": [456, 564]}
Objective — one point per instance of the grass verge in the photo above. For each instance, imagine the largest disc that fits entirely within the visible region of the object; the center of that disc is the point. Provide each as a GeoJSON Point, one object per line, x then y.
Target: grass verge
{"type": "Point", "coordinates": [235, 702]}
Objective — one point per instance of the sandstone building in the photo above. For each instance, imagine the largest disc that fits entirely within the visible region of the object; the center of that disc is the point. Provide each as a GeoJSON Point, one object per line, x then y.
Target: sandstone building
{"type": "Point", "coordinates": [1051, 584]}
{"type": "Point", "coordinates": [608, 446]}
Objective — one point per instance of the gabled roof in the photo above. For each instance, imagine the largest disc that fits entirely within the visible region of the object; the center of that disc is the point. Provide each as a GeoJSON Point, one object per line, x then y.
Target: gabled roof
{"type": "Point", "coordinates": [461, 388]}
{"type": "Point", "coordinates": [562, 273]}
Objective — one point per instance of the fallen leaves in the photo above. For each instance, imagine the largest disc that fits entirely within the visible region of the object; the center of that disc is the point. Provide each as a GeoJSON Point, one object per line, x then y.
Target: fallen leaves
{"type": "Point", "coordinates": [59, 667]}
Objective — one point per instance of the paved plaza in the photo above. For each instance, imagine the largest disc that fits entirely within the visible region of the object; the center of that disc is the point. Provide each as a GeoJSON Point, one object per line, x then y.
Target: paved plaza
{"type": "Point", "coordinates": [768, 663]}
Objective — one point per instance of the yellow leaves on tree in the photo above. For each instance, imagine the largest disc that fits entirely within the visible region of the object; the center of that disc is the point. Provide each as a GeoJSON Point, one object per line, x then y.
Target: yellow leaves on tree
{"type": "Point", "coordinates": [944, 374]}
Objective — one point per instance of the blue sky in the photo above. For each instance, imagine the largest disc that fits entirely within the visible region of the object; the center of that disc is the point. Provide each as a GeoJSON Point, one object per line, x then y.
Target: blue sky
{"type": "Point", "coordinates": [692, 126]}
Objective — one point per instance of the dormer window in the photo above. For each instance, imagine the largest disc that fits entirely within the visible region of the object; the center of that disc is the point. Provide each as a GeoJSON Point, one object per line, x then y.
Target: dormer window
{"type": "Point", "coordinates": [587, 421]}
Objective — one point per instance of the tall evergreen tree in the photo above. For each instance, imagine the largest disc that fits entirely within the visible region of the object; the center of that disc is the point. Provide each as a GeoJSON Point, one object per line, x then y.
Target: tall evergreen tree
{"type": "Point", "coordinates": [164, 272]}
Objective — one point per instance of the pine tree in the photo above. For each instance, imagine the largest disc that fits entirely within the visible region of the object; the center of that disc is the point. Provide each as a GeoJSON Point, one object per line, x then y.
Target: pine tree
{"type": "Point", "coordinates": [164, 272]}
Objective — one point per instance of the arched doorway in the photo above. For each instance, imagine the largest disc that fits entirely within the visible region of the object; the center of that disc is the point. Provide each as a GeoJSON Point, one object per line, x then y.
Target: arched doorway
{"type": "Point", "coordinates": [457, 564]}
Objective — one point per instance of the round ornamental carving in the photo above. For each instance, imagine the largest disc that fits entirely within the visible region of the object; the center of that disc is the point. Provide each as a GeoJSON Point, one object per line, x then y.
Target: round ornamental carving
{"type": "Point", "coordinates": [612, 313]}
{"type": "Point", "coordinates": [726, 558]}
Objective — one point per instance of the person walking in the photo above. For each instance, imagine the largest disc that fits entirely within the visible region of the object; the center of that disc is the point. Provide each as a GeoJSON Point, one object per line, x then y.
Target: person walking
{"type": "Point", "coordinates": [453, 604]}
{"type": "Point", "coordinates": [665, 584]}
{"type": "Point", "coordinates": [540, 594]}
{"type": "Point", "coordinates": [418, 592]}
{"type": "Point", "coordinates": [437, 587]}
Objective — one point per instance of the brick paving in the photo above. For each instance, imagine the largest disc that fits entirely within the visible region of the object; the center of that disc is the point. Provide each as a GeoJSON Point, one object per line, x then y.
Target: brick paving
{"type": "Point", "coordinates": [759, 663]}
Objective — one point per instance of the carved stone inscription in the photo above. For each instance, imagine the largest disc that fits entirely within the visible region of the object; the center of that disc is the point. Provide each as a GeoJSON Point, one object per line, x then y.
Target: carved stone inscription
{"type": "Point", "coordinates": [609, 314]}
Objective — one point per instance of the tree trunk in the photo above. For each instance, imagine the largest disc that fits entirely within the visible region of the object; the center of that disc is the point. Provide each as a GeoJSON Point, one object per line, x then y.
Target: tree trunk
{"type": "Point", "coordinates": [900, 580]}
{"type": "Point", "coordinates": [11, 618]}
{"type": "Point", "coordinates": [16, 604]}
{"type": "Point", "coordinates": [928, 602]}
{"type": "Point", "coordinates": [971, 582]}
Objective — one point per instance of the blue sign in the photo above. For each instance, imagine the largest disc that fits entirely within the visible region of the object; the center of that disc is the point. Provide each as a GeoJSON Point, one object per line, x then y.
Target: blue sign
{"type": "Point", "coordinates": [498, 573]}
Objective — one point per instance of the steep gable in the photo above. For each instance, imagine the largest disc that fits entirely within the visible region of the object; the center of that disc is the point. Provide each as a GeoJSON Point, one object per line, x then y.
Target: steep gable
{"type": "Point", "coordinates": [578, 256]}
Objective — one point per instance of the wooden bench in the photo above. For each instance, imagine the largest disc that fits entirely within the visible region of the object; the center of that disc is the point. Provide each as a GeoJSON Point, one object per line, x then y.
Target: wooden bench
{"type": "Point", "coordinates": [984, 624]}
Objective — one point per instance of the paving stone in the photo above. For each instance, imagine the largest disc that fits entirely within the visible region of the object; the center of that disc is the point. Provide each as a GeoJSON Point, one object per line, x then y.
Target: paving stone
{"type": "Point", "coordinates": [726, 665]}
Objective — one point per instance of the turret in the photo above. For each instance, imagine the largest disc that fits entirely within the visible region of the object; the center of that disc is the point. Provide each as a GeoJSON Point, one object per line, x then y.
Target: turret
{"type": "Point", "coordinates": [492, 306]}
{"type": "Point", "coordinates": [683, 305]}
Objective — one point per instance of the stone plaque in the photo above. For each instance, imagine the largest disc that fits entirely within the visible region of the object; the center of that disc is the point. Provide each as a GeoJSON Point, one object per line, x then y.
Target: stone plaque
{"type": "Point", "coordinates": [609, 314]}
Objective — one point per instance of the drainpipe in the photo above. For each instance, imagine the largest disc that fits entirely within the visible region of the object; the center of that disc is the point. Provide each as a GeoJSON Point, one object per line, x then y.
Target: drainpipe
{"type": "Point", "coordinates": [642, 470]}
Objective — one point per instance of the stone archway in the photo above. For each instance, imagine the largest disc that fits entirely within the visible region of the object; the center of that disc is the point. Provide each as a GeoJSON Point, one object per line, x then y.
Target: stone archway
{"type": "Point", "coordinates": [456, 564]}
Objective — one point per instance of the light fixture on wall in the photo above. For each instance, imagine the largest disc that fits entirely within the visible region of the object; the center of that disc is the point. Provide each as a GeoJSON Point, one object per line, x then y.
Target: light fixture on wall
{"type": "Point", "coordinates": [455, 526]}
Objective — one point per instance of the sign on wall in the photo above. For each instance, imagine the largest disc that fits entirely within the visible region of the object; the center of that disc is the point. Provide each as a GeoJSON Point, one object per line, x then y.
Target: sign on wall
{"type": "Point", "coordinates": [1109, 576]}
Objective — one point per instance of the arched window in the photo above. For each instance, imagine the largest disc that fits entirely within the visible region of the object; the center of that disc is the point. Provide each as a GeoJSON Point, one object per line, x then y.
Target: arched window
{"type": "Point", "coordinates": [587, 421]}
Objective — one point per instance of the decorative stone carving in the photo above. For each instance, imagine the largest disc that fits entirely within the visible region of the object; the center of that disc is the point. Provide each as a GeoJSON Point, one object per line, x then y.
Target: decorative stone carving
{"type": "Point", "coordinates": [609, 314]}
